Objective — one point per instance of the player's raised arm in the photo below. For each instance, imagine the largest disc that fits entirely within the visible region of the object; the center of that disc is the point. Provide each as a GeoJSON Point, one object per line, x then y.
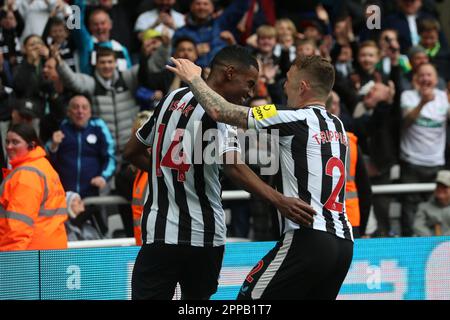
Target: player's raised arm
{"type": "Point", "coordinates": [216, 106]}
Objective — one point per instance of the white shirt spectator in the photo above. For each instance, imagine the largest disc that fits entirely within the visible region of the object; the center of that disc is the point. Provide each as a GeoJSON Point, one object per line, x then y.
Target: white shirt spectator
{"type": "Point", "coordinates": [423, 143]}
{"type": "Point", "coordinates": [36, 13]}
{"type": "Point", "coordinates": [147, 20]}
{"type": "Point", "coordinates": [412, 23]}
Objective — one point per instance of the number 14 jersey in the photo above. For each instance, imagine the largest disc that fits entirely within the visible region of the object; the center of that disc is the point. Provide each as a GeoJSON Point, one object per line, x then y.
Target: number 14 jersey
{"type": "Point", "coordinates": [184, 202]}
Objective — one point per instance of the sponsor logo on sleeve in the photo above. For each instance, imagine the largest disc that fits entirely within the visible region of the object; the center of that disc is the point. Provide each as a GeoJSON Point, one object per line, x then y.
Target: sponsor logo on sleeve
{"type": "Point", "coordinates": [264, 112]}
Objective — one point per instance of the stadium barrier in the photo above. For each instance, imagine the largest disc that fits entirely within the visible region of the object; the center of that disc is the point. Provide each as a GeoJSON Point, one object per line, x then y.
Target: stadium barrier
{"type": "Point", "coordinates": [230, 195]}
{"type": "Point", "coordinates": [388, 269]}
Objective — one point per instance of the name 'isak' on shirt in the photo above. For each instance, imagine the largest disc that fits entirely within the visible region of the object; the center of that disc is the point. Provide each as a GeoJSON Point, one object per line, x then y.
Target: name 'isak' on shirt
{"type": "Point", "coordinates": [184, 107]}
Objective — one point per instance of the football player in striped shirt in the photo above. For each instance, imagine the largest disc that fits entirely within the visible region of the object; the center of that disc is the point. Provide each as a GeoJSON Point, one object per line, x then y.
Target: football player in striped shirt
{"type": "Point", "coordinates": [183, 222]}
{"type": "Point", "coordinates": [309, 261]}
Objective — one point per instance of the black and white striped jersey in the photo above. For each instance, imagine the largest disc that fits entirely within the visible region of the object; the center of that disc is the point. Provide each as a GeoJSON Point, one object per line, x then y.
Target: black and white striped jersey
{"type": "Point", "coordinates": [312, 152]}
{"type": "Point", "coordinates": [184, 202]}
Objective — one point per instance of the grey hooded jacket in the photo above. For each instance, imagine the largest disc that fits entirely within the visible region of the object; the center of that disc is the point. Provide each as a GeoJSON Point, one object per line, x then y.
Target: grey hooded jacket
{"type": "Point", "coordinates": [113, 101]}
{"type": "Point", "coordinates": [428, 215]}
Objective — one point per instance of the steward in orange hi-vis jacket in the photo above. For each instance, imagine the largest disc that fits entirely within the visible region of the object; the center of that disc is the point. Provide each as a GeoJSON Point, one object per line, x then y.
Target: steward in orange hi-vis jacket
{"type": "Point", "coordinates": [32, 205]}
{"type": "Point", "coordinates": [140, 191]}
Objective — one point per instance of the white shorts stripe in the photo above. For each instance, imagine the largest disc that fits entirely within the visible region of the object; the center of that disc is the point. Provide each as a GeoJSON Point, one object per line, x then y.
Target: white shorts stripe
{"type": "Point", "coordinates": [274, 266]}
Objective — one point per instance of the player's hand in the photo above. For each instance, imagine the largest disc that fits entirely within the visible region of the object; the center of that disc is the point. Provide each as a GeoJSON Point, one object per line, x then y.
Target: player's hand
{"type": "Point", "coordinates": [296, 210]}
{"type": "Point", "coordinates": [185, 69]}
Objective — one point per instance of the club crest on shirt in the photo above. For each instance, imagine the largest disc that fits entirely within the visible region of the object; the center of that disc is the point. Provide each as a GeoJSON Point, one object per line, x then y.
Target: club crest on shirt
{"type": "Point", "coordinates": [91, 139]}
{"type": "Point", "coordinates": [264, 112]}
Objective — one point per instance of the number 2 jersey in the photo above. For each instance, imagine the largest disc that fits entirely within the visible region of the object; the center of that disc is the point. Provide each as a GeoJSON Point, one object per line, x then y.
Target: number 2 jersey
{"type": "Point", "coordinates": [184, 203]}
{"type": "Point", "coordinates": [312, 152]}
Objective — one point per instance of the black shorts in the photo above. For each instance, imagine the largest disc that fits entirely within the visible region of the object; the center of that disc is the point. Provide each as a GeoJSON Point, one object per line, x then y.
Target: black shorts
{"type": "Point", "coordinates": [159, 267]}
{"type": "Point", "coordinates": [304, 264]}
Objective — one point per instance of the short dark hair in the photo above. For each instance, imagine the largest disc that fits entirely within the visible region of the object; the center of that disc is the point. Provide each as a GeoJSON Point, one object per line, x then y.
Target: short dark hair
{"type": "Point", "coordinates": [98, 10]}
{"type": "Point", "coordinates": [26, 132]}
{"type": "Point", "coordinates": [428, 24]}
{"type": "Point", "coordinates": [82, 94]}
{"type": "Point", "coordinates": [55, 21]}
{"type": "Point", "coordinates": [25, 41]}
{"type": "Point", "coordinates": [184, 39]}
{"type": "Point", "coordinates": [105, 51]}
{"type": "Point", "coordinates": [237, 56]}
{"type": "Point", "coordinates": [319, 71]}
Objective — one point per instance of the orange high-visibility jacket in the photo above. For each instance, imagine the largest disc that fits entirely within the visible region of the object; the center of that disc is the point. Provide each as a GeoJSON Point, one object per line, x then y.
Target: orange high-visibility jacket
{"type": "Point", "coordinates": [32, 205]}
{"type": "Point", "coordinates": [140, 188]}
{"type": "Point", "coordinates": [351, 192]}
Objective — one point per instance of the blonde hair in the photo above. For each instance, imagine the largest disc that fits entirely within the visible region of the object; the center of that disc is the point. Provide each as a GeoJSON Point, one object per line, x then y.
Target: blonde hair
{"type": "Point", "coordinates": [369, 44]}
{"type": "Point", "coordinates": [266, 31]}
{"type": "Point", "coordinates": [302, 42]}
{"type": "Point", "coordinates": [291, 25]}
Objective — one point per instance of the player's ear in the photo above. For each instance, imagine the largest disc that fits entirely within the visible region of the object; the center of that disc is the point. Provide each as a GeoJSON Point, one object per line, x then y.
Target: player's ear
{"type": "Point", "coordinates": [304, 85]}
{"type": "Point", "coordinates": [229, 72]}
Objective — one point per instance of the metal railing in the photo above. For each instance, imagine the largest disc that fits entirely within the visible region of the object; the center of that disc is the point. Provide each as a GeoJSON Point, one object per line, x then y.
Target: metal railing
{"type": "Point", "coordinates": [230, 195]}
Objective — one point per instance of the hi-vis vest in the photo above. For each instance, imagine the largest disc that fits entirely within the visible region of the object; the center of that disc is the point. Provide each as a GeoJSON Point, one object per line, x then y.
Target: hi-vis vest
{"type": "Point", "coordinates": [140, 191]}
{"type": "Point", "coordinates": [32, 206]}
{"type": "Point", "coordinates": [351, 192]}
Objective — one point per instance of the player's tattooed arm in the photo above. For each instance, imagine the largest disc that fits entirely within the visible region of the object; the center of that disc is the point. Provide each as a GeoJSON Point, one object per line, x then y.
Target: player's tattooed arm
{"type": "Point", "coordinates": [214, 104]}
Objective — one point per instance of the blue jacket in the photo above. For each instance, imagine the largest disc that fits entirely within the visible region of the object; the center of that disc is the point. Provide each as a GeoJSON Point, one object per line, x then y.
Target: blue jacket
{"type": "Point", "coordinates": [86, 44]}
{"type": "Point", "coordinates": [84, 154]}
{"type": "Point", "coordinates": [210, 31]}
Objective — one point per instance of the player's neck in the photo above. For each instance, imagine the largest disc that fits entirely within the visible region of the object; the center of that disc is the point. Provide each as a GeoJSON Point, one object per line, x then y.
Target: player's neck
{"type": "Point", "coordinates": [310, 102]}
{"type": "Point", "coordinates": [216, 86]}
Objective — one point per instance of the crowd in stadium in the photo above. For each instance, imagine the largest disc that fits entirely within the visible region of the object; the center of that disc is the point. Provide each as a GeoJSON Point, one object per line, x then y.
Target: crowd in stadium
{"type": "Point", "coordinates": [82, 77]}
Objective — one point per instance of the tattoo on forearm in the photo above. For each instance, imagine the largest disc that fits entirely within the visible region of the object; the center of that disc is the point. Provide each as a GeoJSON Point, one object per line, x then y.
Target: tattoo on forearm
{"type": "Point", "coordinates": [215, 104]}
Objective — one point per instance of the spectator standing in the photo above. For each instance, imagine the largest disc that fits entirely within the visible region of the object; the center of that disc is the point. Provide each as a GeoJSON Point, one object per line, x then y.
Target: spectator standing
{"type": "Point", "coordinates": [211, 34]}
{"type": "Point", "coordinates": [12, 25]}
{"type": "Point", "coordinates": [162, 18]}
{"type": "Point", "coordinates": [99, 35]}
{"type": "Point", "coordinates": [429, 39]}
{"type": "Point", "coordinates": [56, 34]}
{"type": "Point", "coordinates": [285, 47]}
{"type": "Point", "coordinates": [78, 230]}
{"type": "Point", "coordinates": [32, 200]}
{"type": "Point", "coordinates": [433, 216]}
{"type": "Point", "coordinates": [164, 80]}
{"type": "Point", "coordinates": [57, 98]}
{"type": "Point", "coordinates": [425, 113]}
{"type": "Point", "coordinates": [405, 20]}
{"type": "Point", "coordinates": [417, 56]}
{"type": "Point", "coordinates": [82, 151]}
{"type": "Point", "coordinates": [121, 14]}
{"type": "Point", "coordinates": [270, 74]}
{"type": "Point", "coordinates": [37, 12]}
{"type": "Point", "coordinates": [27, 79]}
{"type": "Point", "coordinates": [389, 46]}
{"type": "Point", "coordinates": [112, 92]}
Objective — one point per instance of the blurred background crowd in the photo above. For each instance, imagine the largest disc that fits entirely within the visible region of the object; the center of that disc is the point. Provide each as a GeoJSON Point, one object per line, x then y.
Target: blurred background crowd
{"type": "Point", "coordinates": [82, 87]}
